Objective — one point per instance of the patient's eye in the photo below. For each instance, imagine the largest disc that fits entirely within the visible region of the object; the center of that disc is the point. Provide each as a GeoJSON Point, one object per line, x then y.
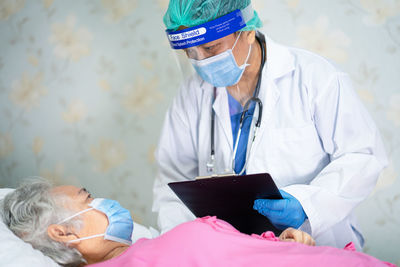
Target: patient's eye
{"type": "Point", "coordinates": [89, 195]}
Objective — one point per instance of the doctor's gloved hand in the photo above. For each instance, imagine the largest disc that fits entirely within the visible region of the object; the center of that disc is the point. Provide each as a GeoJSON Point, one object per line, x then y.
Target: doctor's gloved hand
{"type": "Point", "coordinates": [282, 213]}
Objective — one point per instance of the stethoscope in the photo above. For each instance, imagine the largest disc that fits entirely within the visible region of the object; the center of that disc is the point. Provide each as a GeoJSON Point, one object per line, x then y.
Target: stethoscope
{"type": "Point", "coordinates": [211, 162]}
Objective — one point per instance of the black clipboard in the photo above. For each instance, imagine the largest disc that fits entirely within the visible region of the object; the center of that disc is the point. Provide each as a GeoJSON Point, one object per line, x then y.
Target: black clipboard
{"type": "Point", "coordinates": [230, 198]}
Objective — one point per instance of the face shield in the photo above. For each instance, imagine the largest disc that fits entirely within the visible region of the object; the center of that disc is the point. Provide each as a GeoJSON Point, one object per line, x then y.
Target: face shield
{"type": "Point", "coordinates": [207, 48]}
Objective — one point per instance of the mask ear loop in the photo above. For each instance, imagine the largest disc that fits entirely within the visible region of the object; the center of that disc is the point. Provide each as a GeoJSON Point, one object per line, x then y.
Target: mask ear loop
{"type": "Point", "coordinates": [85, 238]}
{"type": "Point", "coordinates": [236, 40]}
{"type": "Point", "coordinates": [248, 54]}
{"type": "Point", "coordinates": [73, 216]}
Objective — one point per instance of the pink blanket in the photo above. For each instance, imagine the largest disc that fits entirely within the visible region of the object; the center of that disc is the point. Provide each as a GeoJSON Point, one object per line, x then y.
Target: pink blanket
{"type": "Point", "coordinates": [209, 241]}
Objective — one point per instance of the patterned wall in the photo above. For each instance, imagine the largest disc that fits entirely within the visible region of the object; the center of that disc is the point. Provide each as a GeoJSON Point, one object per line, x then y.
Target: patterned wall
{"type": "Point", "coordinates": [84, 86]}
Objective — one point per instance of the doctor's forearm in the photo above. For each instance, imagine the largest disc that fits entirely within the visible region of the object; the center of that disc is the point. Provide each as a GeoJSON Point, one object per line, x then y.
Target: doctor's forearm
{"type": "Point", "coordinates": [339, 187]}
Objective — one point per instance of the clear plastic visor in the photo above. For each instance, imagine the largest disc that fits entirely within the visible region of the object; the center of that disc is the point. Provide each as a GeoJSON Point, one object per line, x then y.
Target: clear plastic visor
{"type": "Point", "coordinates": [212, 48]}
{"type": "Point", "coordinates": [203, 51]}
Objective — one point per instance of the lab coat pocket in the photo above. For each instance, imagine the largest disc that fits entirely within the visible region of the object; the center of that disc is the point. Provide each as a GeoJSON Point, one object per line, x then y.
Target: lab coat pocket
{"type": "Point", "coordinates": [298, 152]}
{"type": "Point", "coordinates": [299, 141]}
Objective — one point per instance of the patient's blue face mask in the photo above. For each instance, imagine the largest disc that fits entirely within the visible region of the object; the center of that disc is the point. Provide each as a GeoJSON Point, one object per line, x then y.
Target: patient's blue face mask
{"type": "Point", "coordinates": [120, 223]}
{"type": "Point", "coordinates": [221, 70]}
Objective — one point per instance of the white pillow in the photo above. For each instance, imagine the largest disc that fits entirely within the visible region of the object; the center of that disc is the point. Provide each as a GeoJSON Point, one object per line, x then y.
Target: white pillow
{"type": "Point", "coordinates": [140, 231]}
{"type": "Point", "coordinates": [15, 252]}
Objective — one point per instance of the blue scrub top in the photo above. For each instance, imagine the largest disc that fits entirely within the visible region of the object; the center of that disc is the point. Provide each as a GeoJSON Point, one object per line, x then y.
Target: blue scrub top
{"type": "Point", "coordinates": [235, 111]}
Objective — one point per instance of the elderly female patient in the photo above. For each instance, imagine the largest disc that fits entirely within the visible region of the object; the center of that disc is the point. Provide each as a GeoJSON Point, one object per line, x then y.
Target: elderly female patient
{"type": "Point", "coordinates": [68, 225]}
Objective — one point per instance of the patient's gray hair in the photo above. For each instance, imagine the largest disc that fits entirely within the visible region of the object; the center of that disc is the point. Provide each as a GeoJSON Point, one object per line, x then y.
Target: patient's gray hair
{"type": "Point", "coordinates": [30, 209]}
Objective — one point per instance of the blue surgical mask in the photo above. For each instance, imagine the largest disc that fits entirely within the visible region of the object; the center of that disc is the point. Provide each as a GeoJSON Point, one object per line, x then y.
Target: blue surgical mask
{"type": "Point", "coordinates": [221, 70]}
{"type": "Point", "coordinates": [120, 223]}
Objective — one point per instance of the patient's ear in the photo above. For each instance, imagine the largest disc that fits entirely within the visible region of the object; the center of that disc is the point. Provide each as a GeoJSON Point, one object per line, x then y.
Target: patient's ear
{"type": "Point", "coordinates": [60, 233]}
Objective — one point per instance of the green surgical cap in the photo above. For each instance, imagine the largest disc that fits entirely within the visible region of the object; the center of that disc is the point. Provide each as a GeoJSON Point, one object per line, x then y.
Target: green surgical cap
{"type": "Point", "coordinates": [191, 13]}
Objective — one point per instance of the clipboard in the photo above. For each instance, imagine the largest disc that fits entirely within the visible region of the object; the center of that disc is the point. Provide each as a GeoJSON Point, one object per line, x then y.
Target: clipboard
{"type": "Point", "coordinates": [230, 198]}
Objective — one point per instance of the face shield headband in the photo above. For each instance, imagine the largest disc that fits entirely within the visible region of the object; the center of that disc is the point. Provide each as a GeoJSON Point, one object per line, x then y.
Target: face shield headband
{"type": "Point", "coordinates": [212, 30]}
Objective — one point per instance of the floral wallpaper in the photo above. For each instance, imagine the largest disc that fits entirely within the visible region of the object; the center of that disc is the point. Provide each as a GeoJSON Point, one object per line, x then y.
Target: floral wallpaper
{"type": "Point", "coordinates": [84, 86]}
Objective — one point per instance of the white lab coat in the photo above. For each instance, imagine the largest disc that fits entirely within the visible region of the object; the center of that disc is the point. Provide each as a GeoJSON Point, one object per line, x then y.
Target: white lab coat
{"type": "Point", "coordinates": [316, 140]}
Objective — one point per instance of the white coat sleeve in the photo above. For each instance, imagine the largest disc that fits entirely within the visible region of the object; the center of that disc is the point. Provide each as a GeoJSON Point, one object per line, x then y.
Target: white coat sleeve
{"type": "Point", "coordinates": [177, 161]}
{"type": "Point", "coordinates": [357, 156]}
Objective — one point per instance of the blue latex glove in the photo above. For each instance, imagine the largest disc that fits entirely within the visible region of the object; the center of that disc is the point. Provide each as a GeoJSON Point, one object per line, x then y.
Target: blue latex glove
{"type": "Point", "coordinates": [282, 213]}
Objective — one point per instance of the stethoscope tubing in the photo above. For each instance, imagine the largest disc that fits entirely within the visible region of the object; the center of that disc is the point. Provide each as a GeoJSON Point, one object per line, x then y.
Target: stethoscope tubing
{"type": "Point", "coordinates": [210, 163]}
{"type": "Point", "coordinates": [256, 126]}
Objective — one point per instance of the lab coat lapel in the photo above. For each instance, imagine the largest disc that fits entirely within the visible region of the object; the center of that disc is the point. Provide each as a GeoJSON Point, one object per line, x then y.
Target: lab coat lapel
{"type": "Point", "coordinates": [269, 96]}
{"type": "Point", "coordinates": [222, 116]}
{"type": "Point", "coordinates": [279, 63]}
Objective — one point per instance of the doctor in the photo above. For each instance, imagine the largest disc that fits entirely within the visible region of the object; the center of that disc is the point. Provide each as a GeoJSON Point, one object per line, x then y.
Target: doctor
{"type": "Point", "coordinates": [256, 106]}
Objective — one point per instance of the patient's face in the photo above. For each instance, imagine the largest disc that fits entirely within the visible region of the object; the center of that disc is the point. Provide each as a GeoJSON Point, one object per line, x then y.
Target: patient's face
{"type": "Point", "coordinates": [94, 222]}
{"type": "Point", "coordinates": [80, 197]}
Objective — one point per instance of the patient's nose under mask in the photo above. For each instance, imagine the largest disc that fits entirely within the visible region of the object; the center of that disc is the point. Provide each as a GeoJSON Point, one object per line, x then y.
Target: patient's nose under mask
{"type": "Point", "coordinates": [120, 223]}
